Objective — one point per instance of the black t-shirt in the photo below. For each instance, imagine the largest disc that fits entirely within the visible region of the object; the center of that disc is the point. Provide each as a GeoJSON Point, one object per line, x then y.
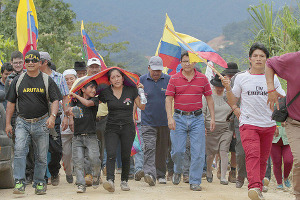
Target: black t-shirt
{"type": "Point", "coordinates": [32, 99]}
{"type": "Point", "coordinates": [86, 124]}
{"type": "Point", "coordinates": [119, 110]}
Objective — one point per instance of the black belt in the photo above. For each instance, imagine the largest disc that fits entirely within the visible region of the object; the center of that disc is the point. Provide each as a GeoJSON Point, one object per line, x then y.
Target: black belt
{"type": "Point", "coordinates": [34, 119]}
{"type": "Point", "coordinates": [196, 112]}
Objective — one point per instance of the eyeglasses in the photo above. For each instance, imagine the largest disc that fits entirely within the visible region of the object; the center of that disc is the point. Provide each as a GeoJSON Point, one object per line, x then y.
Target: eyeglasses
{"type": "Point", "coordinates": [31, 60]}
{"type": "Point", "coordinates": [18, 63]}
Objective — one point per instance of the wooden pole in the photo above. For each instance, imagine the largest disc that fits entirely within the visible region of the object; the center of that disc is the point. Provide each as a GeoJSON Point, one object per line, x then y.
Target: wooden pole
{"type": "Point", "coordinates": [192, 50]}
{"type": "Point", "coordinates": [29, 21]}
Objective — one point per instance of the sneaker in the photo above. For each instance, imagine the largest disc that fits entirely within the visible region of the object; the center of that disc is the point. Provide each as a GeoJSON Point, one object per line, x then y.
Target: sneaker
{"type": "Point", "coordinates": [55, 180]}
{"type": "Point", "coordinates": [210, 179]}
{"type": "Point", "coordinates": [139, 175]}
{"type": "Point", "coordinates": [224, 182]}
{"type": "Point", "coordinates": [170, 175]}
{"type": "Point", "coordinates": [19, 187]}
{"type": "Point", "coordinates": [69, 178]}
{"type": "Point", "coordinates": [287, 183]}
{"type": "Point", "coordinates": [96, 182]}
{"type": "Point", "coordinates": [239, 182]}
{"type": "Point", "coordinates": [81, 189]}
{"type": "Point", "coordinates": [176, 179]}
{"type": "Point", "coordinates": [149, 179]}
{"type": "Point", "coordinates": [195, 187]}
{"type": "Point", "coordinates": [280, 187]}
{"type": "Point", "coordinates": [109, 185]}
{"type": "Point", "coordinates": [124, 186]}
{"type": "Point", "coordinates": [162, 181]}
{"type": "Point", "coordinates": [88, 180]}
{"type": "Point", "coordinates": [265, 189]}
{"type": "Point", "coordinates": [40, 189]}
{"type": "Point", "coordinates": [186, 179]}
{"type": "Point", "coordinates": [266, 181]}
{"type": "Point", "coordinates": [232, 176]}
{"type": "Point", "coordinates": [255, 194]}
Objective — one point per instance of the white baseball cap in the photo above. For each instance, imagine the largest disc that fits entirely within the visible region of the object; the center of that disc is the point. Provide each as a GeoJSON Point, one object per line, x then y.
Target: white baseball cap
{"type": "Point", "coordinates": [93, 61]}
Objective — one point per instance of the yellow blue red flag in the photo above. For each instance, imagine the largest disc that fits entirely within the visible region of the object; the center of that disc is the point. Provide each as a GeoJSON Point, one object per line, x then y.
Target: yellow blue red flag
{"type": "Point", "coordinates": [89, 48]}
{"type": "Point", "coordinates": [168, 49]}
{"type": "Point", "coordinates": [27, 26]}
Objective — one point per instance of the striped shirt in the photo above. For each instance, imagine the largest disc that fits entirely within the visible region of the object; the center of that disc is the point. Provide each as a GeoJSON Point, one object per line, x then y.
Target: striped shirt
{"type": "Point", "coordinates": [60, 82]}
{"type": "Point", "coordinates": [188, 95]}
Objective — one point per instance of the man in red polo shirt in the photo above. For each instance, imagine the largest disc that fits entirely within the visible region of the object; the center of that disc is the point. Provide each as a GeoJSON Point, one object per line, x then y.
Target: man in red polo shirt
{"type": "Point", "coordinates": [186, 88]}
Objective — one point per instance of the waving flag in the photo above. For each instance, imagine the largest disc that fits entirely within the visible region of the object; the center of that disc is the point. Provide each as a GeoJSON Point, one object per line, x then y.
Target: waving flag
{"type": "Point", "coordinates": [27, 26]}
{"type": "Point", "coordinates": [168, 49]}
{"type": "Point", "coordinates": [89, 48]}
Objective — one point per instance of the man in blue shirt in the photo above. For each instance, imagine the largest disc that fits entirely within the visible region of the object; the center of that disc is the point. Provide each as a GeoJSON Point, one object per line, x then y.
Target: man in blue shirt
{"type": "Point", "coordinates": [155, 131]}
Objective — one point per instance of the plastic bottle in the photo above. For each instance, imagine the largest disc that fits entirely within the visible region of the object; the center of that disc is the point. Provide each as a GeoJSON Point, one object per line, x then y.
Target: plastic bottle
{"type": "Point", "coordinates": [142, 95]}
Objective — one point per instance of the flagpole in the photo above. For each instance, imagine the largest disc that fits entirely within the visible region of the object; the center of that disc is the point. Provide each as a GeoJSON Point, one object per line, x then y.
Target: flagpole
{"type": "Point", "coordinates": [192, 50]}
{"type": "Point", "coordinates": [29, 21]}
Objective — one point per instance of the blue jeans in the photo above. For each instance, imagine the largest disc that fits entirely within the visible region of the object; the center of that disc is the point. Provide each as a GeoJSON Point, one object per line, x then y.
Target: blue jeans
{"type": "Point", "coordinates": [38, 134]}
{"type": "Point", "coordinates": [139, 157]}
{"type": "Point", "coordinates": [194, 126]}
{"type": "Point", "coordinates": [81, 144]}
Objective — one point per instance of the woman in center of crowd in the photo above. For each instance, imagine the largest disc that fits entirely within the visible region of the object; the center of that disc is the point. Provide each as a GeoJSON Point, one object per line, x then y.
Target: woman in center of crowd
{"type": "Point", "coordinates": [120, 126]}
{"type": "Point", "coordinates": [217, 141]}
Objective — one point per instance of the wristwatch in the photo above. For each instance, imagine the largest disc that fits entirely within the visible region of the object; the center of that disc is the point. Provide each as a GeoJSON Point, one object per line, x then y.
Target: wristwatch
{"type": "Point", "coordinates": [53, 114]}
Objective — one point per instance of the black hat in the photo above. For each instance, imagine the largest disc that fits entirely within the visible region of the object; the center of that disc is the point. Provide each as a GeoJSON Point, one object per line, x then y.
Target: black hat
{"type": "Point", "coordinates": [216, 81]}
{"type": "Point", "coordinates": [33, 54]}
{"type": "Point", "coordinates": [232, 69]}
{"type": "Point", "coordinates": [79, 66]}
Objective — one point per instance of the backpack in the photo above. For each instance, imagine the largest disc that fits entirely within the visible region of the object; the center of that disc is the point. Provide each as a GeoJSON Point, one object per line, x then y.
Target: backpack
{"type": "Point", "coordinates": [46, 83]}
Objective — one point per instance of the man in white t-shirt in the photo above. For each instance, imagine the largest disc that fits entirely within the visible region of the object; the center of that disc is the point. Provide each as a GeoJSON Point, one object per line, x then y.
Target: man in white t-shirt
{"type": "Point", "coordinates": [256, 126]}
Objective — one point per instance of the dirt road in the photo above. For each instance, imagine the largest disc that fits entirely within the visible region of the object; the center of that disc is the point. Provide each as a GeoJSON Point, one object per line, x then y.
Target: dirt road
{"type": "Point", "coordinates": [141, 190]}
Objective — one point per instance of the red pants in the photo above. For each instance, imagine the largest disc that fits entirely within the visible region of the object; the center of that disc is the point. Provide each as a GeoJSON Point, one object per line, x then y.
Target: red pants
{"type": "Point", "coordinates": [257, 143]}
{"type": "Point", "coordinates": [279, 152]}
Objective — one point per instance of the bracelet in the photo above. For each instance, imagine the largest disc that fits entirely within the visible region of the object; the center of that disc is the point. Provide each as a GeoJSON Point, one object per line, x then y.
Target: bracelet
{"type": "Point", "coordinates": [272, 90]}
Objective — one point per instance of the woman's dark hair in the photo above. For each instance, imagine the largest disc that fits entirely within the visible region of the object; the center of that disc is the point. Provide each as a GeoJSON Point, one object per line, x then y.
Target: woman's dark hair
{"type": "Point", "coordinates": [6, 66]}
{"type": "Point", "coordinates": [110, 71]}
{"type": "Point", "coordinates": [259, 46]}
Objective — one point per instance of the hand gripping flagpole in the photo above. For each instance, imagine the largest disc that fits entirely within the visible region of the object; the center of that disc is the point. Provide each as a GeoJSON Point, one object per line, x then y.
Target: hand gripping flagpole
{"type": "Point", "coordinates": [29, 21]}
{"type": "Point", "coordinates": [192, 50]}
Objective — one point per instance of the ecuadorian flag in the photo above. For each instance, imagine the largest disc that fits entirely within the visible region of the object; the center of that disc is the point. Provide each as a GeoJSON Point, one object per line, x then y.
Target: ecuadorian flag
{"type": "Point", "coordinates": [168, 49]}
{"type": "Point", "coordinates": [90, 48]}
{"type": "Point", "coordinates": [27, 26]}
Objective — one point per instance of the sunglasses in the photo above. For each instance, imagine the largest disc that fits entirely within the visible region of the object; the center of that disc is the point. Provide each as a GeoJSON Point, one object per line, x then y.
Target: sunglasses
{"type": "Point", "coordinates": [31, 60]}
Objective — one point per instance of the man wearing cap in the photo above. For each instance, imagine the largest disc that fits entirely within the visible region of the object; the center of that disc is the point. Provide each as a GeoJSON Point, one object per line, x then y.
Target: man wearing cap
{"type": "Point", "coordinates": [80, 69]}
{"type": "Point", "coordinates": [186, 88]}
{"type": "Point", "coordinates": [56, 153]}
{"type": "Point", "coordinates": [155, 131]}
{"type": "Point", "coordinates": [28, 93]}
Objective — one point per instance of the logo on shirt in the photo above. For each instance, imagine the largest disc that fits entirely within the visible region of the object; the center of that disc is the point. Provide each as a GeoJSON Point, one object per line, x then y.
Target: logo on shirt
{"type": "Point", "coordinates": [259, 91]}
{"type": "Point", "coordinates": [127, 101]}
{"type": "Point", "coordinates": [27, 90]}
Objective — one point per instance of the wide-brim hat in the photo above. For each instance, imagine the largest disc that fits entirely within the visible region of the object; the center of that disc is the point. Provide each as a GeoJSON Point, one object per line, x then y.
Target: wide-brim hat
{"type": "Point", "coordinates": [78, 66]}
{"type": "Point", "coordinates": [216, 81]}
{"type": "Point", "coordinates": [232, 69]}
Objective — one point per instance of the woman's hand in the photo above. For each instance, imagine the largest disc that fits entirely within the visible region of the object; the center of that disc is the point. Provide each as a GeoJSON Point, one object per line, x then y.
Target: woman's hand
{"type": "Point", "coordinates": [140, 85]}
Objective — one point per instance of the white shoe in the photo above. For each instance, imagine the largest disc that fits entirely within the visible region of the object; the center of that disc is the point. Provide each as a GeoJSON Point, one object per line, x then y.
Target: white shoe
{"type": "Point", "coordinates": [255, 194]}
{"type": "Point", "coordinates": [162, 181]}
{"type": "Point", "coordinates": [124, 186]}
{"type": "Point", "coordinates": [109, 186]}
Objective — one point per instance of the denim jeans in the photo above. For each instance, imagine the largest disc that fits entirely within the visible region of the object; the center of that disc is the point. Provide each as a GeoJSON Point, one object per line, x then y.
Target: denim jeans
{"type": "Point", "coordinates": [80, 145]}
{"type": "Point", "coordinates": [38, 134]}
{"type": "Point", "coordinates": [194, 126]}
